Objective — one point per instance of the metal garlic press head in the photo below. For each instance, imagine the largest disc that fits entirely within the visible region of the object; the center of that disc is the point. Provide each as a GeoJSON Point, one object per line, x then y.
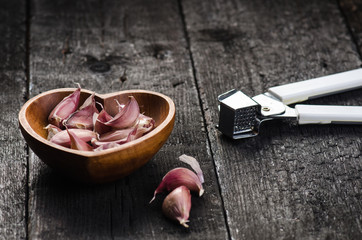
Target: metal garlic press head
{"type": "Point", "coordinates": [240, 116]}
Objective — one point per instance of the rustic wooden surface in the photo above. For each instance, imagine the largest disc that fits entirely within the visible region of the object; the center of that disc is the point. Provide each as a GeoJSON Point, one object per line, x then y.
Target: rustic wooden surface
{"type": "Point", "coordinates": [13, 151]}
{"type": "Point", "coordinates": [290, 182]}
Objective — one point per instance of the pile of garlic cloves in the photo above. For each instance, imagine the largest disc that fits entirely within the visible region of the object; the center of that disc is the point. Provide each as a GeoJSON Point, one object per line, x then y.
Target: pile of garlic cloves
{"type": "Point", "coordinates": [85, 128]}
{"type": "Point", "coordinates": [179, 182]}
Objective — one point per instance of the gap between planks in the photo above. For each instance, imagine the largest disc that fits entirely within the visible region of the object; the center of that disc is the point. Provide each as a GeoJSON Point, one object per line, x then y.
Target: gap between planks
{"type": "Point", "coordinates": [188, 45]}
{"type": "Point", "coordinates": [26, 98]}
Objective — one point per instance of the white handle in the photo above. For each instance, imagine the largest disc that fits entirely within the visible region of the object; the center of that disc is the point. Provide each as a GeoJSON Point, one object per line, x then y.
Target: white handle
{"type": "Point", "coordinates": [304, 90]}
{"type": "Point", "coordinates": [322, 114]}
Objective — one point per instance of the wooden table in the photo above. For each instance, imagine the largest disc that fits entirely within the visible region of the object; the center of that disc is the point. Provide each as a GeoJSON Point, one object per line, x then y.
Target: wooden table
{"type": "Point", "coordinates": [290, 182]}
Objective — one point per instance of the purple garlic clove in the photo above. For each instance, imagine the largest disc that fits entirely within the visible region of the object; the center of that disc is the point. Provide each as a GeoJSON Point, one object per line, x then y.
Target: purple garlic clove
{"type": "Point", "coordinates": [115, 135]}
{"type": "Point", "coordinates": [107, 146]}
{"type": "Point", "coordinates": [145, 121]}
{"type": "Point", "coordinates": [127, 138]}
{"type": "Point", "coordinates": [143, 126]}
{"type": "Point", "coordinates": [127, 115]}
{"type": "Point", "coordinates": [77, 143]}
{"type": "Point", "coordinates": [83, 118]}
{"type": "Point", "coordinates": [99, 126]}
{"type": "Point", "coordinates": [52, 130]}
{"type": "Point", "coordinates": [179, 177]}
{"type": "Point", "coordinates": [177, 205]}
{"type": "Point", "coordinates": [62, 138]}
{"type": "Point", "coordinates": [64, 109]}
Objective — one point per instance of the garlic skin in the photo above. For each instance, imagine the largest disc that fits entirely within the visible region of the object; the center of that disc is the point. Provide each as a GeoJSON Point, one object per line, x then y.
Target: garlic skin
{"type": "Point", "coordinates": [179, 177]}
{"type": "Point", "coordinates": [194, 165]}
{"type": "Point", "coordinates": [64, 109]}
{"type": "Point", "coordinates": [177, 205]}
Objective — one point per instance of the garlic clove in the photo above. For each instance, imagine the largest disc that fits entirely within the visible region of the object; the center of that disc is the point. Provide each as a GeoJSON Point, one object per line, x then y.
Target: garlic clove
{"type": "Point", "coordinates": [129, 137]}
{"type": "Point", "coordinates": [97, 144]}
{"type": "Point", "coordinates": [177, 205]}
{"type": "Point", "coordinates": [145, 121]}
{"type": "Point", "coordinates": [179, 177]}
{"type": "Point", "coordinates": [99, 126]}
{"type": "Point", "coordinates": [77, 143]}
{"type": "Point", "coordinates": [90, 101]}
{"type": "Point", "coordinates": [107, 146]}
{"type": "Point", "coordinates": [83, 118]}
{"type": "Point", "coordinates": [62, 138]}
{"type": "Point", "coordinates": [143, 126]}
{"type": "Point", "coordinates": [127, 115]}
{"type": "Point", "coordinates": [52, 130]}
{"type": "Point", "coordinates": [115, 135]}
{"type": "Point", "coordinates": [194, 164]}
{"type": "Point", "coordinates": [64, 109]}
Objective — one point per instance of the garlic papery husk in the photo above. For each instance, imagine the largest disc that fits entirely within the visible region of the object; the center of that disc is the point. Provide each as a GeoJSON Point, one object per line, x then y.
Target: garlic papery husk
{"type": "Point", "coordinates": [77, 143]}
{"type": "Point", "coordinates": [127, 115]}
{"type": "Point", "coordinates": [52, 130]}
{"type": "Point", "coordinates": [83, 118]}
{"type": "Point", "coordinates": [177, 205]}
{"type": "Point", "coordinates": [120, 105]}
{"type": "Point", "coordinates": [194, 164]}
{"type": "Point", "coordinates": [179, 177]}
{"type": "Point", "coordinates": [62, 138]}
{"type": "Point", "coordinates": [64, 109]}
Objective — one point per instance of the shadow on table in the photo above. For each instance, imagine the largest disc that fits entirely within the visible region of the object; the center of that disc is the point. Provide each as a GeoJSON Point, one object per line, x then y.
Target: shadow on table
{"type": "Point", "coordinates": [61, 208]}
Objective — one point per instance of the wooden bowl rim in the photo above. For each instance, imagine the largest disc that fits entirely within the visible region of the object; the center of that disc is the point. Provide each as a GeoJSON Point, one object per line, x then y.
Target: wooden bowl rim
{"type": "Point", "coordinates": [26, 126]}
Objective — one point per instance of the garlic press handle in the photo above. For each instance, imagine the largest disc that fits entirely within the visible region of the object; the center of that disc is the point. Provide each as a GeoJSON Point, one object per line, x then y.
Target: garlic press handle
{"type": "Point", "coordinates": [325, 114]}
{"type": "Point", "coordinates": [317, 87]}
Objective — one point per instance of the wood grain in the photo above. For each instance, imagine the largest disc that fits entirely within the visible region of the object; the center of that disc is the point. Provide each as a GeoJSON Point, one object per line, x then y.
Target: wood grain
{"type": "Point", "coordinates": [290, 182]}
{"type": "Point", "coordinates": [293, 182]}
{"type": "Point", "coordinates": [99, 41]}
{"type": "Point", "coordinates": [13, 153]}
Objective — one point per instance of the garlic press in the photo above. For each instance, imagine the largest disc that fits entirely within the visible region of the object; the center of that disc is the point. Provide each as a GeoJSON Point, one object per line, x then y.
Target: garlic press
{"type": "Point", "coordinates": [240, 116]}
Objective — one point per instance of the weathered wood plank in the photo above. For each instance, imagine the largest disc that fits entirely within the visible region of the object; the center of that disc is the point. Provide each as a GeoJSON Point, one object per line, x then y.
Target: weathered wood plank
{"type": "Point", "coordinates": [147, 39]}
{"type": "Point", "coordinates": [13, 153]}
{"type": "Point", "coordinates": [291, 181]}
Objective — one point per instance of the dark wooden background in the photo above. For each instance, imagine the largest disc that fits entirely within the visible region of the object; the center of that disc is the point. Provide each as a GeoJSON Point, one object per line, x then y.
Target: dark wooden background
{"type": "Point", "coordinates": [290, 182]}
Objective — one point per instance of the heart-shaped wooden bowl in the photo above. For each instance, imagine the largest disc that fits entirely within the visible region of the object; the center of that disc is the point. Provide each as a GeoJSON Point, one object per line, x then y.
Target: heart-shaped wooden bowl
{"type": "Point", "coordinates": [107, 165]}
